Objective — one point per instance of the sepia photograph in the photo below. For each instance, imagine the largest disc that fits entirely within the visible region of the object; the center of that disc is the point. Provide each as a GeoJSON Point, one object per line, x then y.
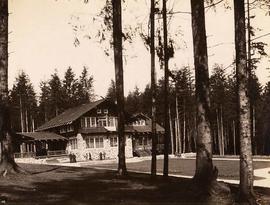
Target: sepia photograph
{"type": "Point", "coordinates": [135, 102]}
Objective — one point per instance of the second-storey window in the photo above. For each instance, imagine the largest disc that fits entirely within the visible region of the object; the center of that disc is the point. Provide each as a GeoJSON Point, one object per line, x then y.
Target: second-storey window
{"type": "Point", "coordinates": [102, 122]}
{"type": "Point", "coordinates": [88, 122]}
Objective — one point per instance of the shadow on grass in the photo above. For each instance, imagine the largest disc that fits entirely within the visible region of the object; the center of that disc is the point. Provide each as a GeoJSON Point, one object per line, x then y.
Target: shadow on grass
{"type": "Point", "coordinates": [69, 185]}
{"type": "Point", "coordinates": [48, 170]}
{"type": "Point", "coordinates": [89, 186]}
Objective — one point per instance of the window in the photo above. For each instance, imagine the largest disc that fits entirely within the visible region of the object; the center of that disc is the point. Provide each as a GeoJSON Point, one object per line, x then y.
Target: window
{"type": "Point", "coordinates": [105, 111]}
{"type": "Point", "coordinates": [99, 142]}
{"type": "Point", "coordinates": [83, 122]}
{"type": "Point", "coordinates": [90, 142]}
{"type": "Point", "coordinates": [98, 111]}
{"type": "Point", "coordinates": [139, 123]}
{"type": "Point", "coordinates": [88, 122]}
{"type": "Point", "coordinates": [140, 141]}
{"type": "Point", "coordinates": [70, 128]}
{"type": "Point", "coordinates": [93, 122]}
{"type": "Point", "coordinates": [145, 142]}
{"type": "Point", "coordinates": [63, 130]}
{"type": "Point", "coordinates": [113, 142]}
{"type": "Point", "coordinates": [73, 144]}
{"type": "Point", "coordinates": [102, 122]}
{"type": "Point", "coordinates": [111, 122]}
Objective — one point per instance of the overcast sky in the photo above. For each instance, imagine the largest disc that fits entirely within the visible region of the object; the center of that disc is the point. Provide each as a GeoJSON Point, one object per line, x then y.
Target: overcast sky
{"type": "Point", "coordinates": [41, 40]}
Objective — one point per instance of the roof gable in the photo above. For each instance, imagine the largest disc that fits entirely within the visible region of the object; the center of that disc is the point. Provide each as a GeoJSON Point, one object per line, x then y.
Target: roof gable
{"type": "Point", "coordinates": [70, 115]}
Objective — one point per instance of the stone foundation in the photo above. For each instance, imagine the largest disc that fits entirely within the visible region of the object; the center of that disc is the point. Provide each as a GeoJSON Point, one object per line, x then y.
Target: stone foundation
{"type": "Point", "coordinates": [106, 152]}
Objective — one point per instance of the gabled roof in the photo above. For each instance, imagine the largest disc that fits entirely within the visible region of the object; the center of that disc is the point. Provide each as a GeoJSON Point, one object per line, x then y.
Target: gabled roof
{"type": "Point", "coordinates": [147, 128]}
{"type": "Point", "coordinates": [42, 136]}
{"type": "Point", "coordinates": [70, 115]}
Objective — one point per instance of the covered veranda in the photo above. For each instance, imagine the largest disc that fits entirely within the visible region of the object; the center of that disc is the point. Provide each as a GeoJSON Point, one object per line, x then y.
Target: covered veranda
{"type": "Point", "coordinates": [38, 144]}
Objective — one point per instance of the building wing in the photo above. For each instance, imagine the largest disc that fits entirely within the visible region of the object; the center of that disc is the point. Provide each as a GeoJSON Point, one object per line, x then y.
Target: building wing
{"type": "Point", "coordinates": [69, 116]}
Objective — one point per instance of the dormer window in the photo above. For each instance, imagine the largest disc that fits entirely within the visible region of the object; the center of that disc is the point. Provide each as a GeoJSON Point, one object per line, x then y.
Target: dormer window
{"type": "Point", "coordinates": [105, 111]}
{"type": "Point", "coordinates": [142, 122]}
{"type": "Point", "coordinates": [139, 123]}
{"type": "Point", "coordinates": [63, 130]}
{"type": "Point", "coordinates": [98, 111]}
{"type": "Point", "coordinates": [70, 128]}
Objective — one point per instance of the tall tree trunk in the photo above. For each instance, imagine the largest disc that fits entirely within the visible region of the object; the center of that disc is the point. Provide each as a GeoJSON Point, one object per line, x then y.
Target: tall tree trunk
{"type": "Point", "coordinates": [204, 166]}
{"type": "Point", "coordinates": [177, 128]}
{"type": "Point", "coordinates": [184, 130]}
{"type": "Point", "coordinates": [7, 163]}
{"type": "Point", "coordinates": [26, 120]}
{"type": "Point", "coordinates": [166, 82]}
{"type": "Point", "coordinates": [205, 174]}
{"type": "Point", "coordinates": [32, 123]}
{"type": "Point", "coordinates": [176, 136]}
{"type": "Point", "coordinates": [254, 130]}
{"type": "Point", "coordinates": [242, 73]}
{"type": "Point", "coordinates": [249, 67]}
{"type": "Point", "coordinates": [218, 134]}
{"type": "Point", "coordinates": [119, 80]}
{"type": "Point", "coordinates": [153, 91]}
{"type": "Point", "coordinates": [222, 132]}
{"type": "Point", "coordinates": [234, 136]}
{"type": "Point", "coordinates": [21, 114]}
{"type": "Point", "coordinates": [171, 132]}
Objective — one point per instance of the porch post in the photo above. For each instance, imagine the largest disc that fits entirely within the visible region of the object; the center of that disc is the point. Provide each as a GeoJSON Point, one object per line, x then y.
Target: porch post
{"type": "Point", "coordinates": [35, 150]}
{"type": "Point", "coordinates": [27, 147]}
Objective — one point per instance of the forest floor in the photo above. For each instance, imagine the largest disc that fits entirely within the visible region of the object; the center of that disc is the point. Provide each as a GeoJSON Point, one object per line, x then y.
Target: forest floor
{"type": "Point", "coordinates": [49, 184]}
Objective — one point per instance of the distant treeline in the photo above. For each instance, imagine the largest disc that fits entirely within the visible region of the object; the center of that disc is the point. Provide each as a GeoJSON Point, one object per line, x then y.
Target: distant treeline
{"type": "Point", "coordinates": [29, 110]}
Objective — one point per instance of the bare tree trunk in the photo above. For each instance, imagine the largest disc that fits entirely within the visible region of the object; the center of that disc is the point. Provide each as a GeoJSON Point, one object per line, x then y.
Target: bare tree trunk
{"type": "Point", "coordinates": [195, 136]}
{"type": "Point", "coordinates": [33, 123]}
{"type": "Point", "coordinates": [119, 80]}
{"type": "Point", "coordinates": [205, 174]}
{"type": "Point", "coordinates": [166, 82]}
{"type": "Point", "coordinates": [171, 131]}
{"type": "Point", "coordinates": [204, 166]}
{"type": "Point", "coordinates": [222, 132]}
{"type": "Point", "coordinates": [26, 120]}
{"type": "Point", "coordinates": [176, 136]}
{"type": "Point", "coordinates": [177, 128]}
{"type": "Point", "coordinates": [7, 163]}
{"type": "Point", "coordinates": [184, 130]}
{"type": "Point", "coordinates": [219, 135]}
{"type": "Point", "coordinates": [234, 141]}
{"type": "Point", "coordinates": [242, 73]}
{"type": "Point", "coordinates": [180, 137]}
{"type": "Point", "coordinates": [254, 130]}
{"type": "Point", "coordinates": [21, 113]}
{"type": "Point", "coordinates": [153, 91]}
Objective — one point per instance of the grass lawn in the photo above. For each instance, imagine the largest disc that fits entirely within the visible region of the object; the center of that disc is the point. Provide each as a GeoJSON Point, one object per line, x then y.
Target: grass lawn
{"type": "Point", "coordinates": [70, 185]}
{"type": "Point", "coordinates": [227, 169]}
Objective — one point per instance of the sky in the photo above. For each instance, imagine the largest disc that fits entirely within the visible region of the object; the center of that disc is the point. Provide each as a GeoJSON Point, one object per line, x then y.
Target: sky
{"type": "Point", "coordinates": [41, 40]}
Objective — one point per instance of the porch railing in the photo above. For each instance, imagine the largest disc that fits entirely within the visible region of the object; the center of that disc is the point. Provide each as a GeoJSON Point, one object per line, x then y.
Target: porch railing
{"type": "Point", "coordinates": [57, 153]}
{"type": "Point", "coordinates": [24, 155]}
